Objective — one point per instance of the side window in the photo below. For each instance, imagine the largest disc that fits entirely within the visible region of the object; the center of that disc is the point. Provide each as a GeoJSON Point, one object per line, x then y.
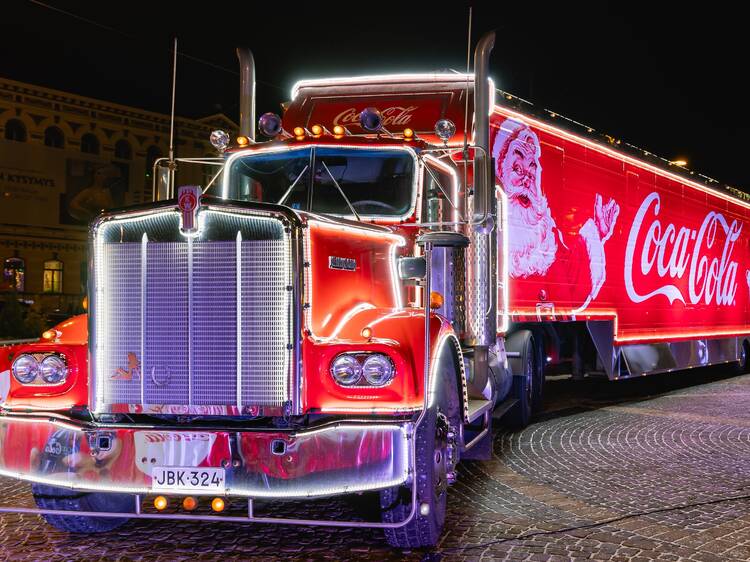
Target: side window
{"type": "Point", "coordinates": [438, 194]}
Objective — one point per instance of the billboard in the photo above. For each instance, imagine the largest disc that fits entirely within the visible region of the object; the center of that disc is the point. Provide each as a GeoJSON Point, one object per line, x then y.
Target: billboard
{"type": "Point", "coordinates": [42, 186]}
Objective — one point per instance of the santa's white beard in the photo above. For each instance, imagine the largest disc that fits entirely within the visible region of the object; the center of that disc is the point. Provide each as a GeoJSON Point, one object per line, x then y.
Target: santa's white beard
{"type": "Point", "coordinates": [532, 245]}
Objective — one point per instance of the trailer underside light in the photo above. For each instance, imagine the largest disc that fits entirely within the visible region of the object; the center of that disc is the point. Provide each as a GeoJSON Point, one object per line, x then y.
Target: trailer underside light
{"type": "Point", "coordinates": [160, 503]}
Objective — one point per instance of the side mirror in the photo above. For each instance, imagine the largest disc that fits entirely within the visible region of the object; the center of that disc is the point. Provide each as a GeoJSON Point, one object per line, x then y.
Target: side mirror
{"type": "Point", "coordinates": [412, 267]}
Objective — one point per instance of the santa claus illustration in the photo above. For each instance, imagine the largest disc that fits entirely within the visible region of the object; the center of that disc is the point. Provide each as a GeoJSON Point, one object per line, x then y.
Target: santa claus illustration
{"type": "Point", "coordinates": [568, 268]}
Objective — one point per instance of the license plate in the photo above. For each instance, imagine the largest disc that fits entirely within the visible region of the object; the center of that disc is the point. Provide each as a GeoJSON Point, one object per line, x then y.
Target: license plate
{"type": "Point", "coordinates": [179, 479]}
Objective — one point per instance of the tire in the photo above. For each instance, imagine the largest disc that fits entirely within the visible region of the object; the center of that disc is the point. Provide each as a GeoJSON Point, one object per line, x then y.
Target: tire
{"type": "Point", "coordinates": [50, 497]}
{"type": "Point", "coordinates": [437, 454]}
{"type": "Point", "coordinates": [524, 379]}
{"type": "Point", "coordinates": [537, 394]}
{"type": "Point", "coordinates": [743, 365]}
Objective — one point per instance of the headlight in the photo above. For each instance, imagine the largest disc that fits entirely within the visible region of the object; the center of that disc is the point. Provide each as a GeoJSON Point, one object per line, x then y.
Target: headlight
{"type": "Point", "coordinates": [54, 370]}
{"type": "Point", "coordinates": [25, 369]}
{"type": "Point", "coordinates": [346, 370]}
{"type": "Point", "coordinates": [378, 369]}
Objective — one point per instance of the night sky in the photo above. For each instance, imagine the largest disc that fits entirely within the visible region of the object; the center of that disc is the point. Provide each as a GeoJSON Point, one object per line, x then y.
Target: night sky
{"type": "Point", "coordinates": [669, 79]}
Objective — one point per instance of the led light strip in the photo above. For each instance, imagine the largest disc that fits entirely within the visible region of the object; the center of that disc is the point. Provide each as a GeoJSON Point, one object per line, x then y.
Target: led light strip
{"type": "Point", "coordinates": [380, 79]}
{"type": "Point", "coordinates": [505, 112]}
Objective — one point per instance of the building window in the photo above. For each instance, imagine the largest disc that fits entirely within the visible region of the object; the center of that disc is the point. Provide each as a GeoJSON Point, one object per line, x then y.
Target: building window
{"type": "Point", "coordinates": [54, 137]}
{"type": "Point", "coordinates": [53, 271]}
{"type": "Point", "coordinates": [123, 150]}
{"type": "Point", "coordinates": [15, 130]}
{"type": "Point", "coordinates": [89, 144]}
{"type": "Point", "coordinates": [14, 271]}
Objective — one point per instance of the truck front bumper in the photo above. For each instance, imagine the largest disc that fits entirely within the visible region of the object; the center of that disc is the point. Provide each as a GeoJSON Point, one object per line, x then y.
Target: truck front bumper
{"type": "Point", "coordinates": [336, 458]}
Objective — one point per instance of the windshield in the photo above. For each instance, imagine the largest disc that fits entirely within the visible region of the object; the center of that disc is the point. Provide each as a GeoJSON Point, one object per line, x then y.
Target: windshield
{"type": "Point", "coordinates": [327, 180]}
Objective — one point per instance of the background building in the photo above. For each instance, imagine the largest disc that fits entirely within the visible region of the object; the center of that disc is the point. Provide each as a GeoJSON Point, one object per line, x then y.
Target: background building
{"type": "Point", "coordinates": [64, 158]}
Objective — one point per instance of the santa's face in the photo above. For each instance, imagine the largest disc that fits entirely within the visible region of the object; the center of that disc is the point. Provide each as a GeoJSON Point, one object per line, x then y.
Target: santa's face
{"type": "Point", "coordinates": [519, 172]}
{"type": "Point", "coordinates": [532, 243]}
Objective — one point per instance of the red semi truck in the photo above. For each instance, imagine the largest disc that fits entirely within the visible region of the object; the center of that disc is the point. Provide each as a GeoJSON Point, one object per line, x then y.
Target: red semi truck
{"type": "Point", "coordinates": [351, 302]}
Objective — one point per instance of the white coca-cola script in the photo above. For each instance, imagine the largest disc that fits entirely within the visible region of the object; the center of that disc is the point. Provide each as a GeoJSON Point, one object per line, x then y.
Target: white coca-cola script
{"type": "Point", "coordinates": [393, 116]}
{"type": "Point", "coordinates": [668, 252]}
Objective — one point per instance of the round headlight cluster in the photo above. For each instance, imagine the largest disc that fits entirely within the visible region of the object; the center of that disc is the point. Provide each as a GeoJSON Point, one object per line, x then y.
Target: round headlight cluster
{"type": "Point", "coordinates": [371, 369]}
{"type": "Point", "coordinates": [29, 369]}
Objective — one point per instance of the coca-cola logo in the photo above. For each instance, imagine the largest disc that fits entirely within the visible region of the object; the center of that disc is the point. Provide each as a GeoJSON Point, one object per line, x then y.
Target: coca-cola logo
{"type": "Point", "coordinates": [392, 116]}
{"type": "Point", "coordinates": [668, 252]}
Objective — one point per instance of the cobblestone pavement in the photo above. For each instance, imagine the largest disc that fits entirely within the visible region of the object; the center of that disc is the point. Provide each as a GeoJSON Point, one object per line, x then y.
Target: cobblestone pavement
{"type": "Point", "coordinates": [629, 471]}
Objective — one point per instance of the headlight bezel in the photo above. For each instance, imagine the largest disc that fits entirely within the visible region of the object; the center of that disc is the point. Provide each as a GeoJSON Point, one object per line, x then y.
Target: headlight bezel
{"type": "Point", "coordinates": [39, 377]}
{"type": "Point", "coordinates": [360, 358]}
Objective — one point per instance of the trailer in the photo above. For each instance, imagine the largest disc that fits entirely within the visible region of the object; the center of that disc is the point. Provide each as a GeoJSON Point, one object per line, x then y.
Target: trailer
{"type": "Point", "coordinates": [348, 306]}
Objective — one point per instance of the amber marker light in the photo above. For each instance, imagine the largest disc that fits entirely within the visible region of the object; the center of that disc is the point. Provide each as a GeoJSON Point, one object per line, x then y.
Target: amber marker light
{"type": "Point", "coordinates": [316, 130]}
{"type": "Point", "coordinates": [408, 134]}
{"type": "Point", "coordinates": [339, 131]}
{"type": "Point", "coordinates": [50, 335]}
{"type": "Point", "coordinates": [299, 133]}
{"type": "Point", "coordinates": [366, 332]}
{"type": "Point", "coordinates": [217, 504]}
{"type": "Point", "coordinates": [436, 300]}
{"type": "Point", "coordinates": [189, 503]}
{"type": "Point", "coordinates": [243, 141]}
{"type": "Point", "coordinates": [160, 503]}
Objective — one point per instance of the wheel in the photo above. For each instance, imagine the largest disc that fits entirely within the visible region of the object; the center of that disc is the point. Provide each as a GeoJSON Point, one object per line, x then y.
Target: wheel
{"type": "Point", "coordinates": [525, 374]}
{"type": "Point", "coordinates": [436, 458]}
{"type": "Point", "coordinates": [537, 390]}
{"type": "Point", "coordinates": [743, 364]}
{"type": "Point", "coordinates": [50, 497]}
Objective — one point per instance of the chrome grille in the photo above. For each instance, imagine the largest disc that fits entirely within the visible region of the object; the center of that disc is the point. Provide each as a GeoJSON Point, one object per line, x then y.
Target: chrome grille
{"type": "Point", "coordinates": [181, 324]}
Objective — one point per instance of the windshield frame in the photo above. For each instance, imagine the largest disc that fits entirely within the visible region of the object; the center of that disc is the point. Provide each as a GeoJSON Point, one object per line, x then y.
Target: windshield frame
{"type": "Point", "coordinates": [289, 148]}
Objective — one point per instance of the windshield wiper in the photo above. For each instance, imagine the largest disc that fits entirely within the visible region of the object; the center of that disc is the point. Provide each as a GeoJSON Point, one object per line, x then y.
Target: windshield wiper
{"type": "Point", "coordinates": [341, 191]}
{"type": "Point", "coordinates": [291, 187]}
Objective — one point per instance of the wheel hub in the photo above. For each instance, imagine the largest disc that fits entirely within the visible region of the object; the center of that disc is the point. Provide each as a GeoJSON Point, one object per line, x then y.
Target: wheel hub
{"type": "Point", "coordinates": [445, 456]}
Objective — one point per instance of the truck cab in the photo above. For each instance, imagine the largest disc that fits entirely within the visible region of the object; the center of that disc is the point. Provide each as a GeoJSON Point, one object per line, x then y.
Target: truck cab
{"type": "Point", "coordinates": [318, 321]}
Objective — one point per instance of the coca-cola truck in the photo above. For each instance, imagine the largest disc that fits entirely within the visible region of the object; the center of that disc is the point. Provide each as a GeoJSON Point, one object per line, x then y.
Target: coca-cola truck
{"type": "Point", "coordinates": [351, 302]}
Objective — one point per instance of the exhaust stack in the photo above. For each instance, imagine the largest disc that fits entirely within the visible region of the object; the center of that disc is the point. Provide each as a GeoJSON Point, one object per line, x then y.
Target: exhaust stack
{"type": "Point", "coordinates": [480, 270]}
{"type": "Point", "coordinates": [247, 93]}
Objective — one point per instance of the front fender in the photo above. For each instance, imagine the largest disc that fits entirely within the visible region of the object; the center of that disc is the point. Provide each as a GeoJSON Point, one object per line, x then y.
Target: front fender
{"type": "Point", "coordinates": [399, 334]}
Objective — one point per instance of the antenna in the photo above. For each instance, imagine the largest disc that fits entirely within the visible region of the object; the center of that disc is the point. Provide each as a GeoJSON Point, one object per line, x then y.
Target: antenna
{"type": "Point", "coordinates": [171, 121]}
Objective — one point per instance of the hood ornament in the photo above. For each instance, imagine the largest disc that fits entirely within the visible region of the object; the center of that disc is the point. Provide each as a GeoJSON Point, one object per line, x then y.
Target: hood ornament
{"type": "Point", "coordinates": [189, 201]}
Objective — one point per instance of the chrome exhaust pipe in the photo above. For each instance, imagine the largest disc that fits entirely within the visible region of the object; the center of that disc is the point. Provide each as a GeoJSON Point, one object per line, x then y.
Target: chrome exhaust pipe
{"type": "Point", "coordinates": [247, 93]}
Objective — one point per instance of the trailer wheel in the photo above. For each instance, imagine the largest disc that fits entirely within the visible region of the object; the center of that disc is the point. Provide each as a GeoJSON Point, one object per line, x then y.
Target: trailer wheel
{"type": "Point", "coordinates": [50, 497]}
{"type": "Point", "coordinates": [537, 391]}
{"type": "Point", "coordinates": [525, 374]}
{"type": "Point", "coordinates": [743, 365]}
{"type": "Point", "coordinates": [436, 459]}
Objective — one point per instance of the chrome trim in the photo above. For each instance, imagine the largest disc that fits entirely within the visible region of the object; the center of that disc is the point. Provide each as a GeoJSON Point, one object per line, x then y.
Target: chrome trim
{"type": "Point", "coordinates": [238, 282]}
